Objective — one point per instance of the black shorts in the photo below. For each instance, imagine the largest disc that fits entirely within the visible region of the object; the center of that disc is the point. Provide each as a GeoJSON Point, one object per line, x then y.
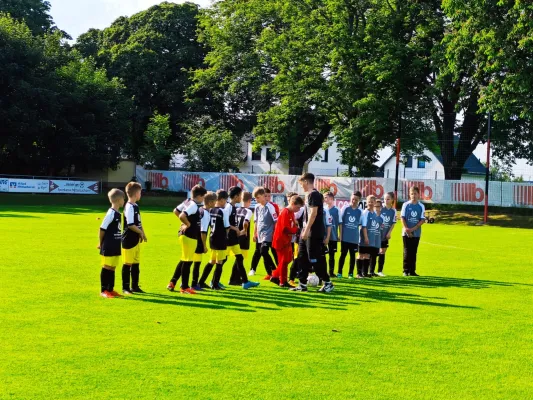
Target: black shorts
{"type": "Point", "coordinates": [346, 246]}
{"type": "Point", "coordinates": [312, 249]}
{"type": "Point", "coordinates": [372, 251]}
{"type": "Point", "coordinates": [385, 244]}
{"type": "Point", "coordinates": [333, 246]}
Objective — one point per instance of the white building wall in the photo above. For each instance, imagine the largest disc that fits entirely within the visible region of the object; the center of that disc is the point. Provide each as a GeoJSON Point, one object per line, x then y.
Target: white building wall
{"type": "Point", "coordinates": [433, 169]}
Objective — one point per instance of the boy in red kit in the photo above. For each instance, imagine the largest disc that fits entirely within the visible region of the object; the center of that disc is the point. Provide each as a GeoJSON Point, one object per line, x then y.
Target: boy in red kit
{"type": "Point", "coordinates": [282, 241]}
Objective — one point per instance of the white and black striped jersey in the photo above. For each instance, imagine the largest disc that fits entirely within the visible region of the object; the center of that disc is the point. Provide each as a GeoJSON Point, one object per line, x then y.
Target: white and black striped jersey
{"type": "Point", "coordinates": [132, 216]}
{"type": "Point", "coordinates": [244, 215]}
{"type": "Point", "coordinates": [204, 222]}
{"type": "Point", "coordinates": [218, 239]}
{"type": "Point", "coordinates": [111, 244]}
{"type": "Point", "coordinates": [193, 215]}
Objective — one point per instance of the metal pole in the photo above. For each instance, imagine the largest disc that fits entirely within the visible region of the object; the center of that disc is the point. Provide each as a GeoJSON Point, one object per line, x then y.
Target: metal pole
{"type": "Point", "coordinates": [487, 173]}
{"type": "Point", "coordinates": [398, 148]}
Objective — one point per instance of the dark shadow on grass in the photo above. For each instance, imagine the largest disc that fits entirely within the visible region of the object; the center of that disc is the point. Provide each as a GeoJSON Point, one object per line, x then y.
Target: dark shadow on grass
{"type": "Point", "coordinates": [437, 282]}
{"type": "Point", "coordinates": [191, 302]}
{"type": "Point", "coordinates": [9, 215]}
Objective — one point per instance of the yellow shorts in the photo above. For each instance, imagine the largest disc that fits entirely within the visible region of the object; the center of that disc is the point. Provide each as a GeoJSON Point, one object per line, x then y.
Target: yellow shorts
{"type": "Point", "coordinates": [244, 253]}
{"type": "Point", "coordinates": [132, 256]}
{"type": "Point", "coordinates": [234, 250]}
{"type": "Point", "coordinates": [198, 257]}
{"type": "Point", "coordinates": [111, 261]}
{"type": "Point", "coordinates": [218, 256]}
{"type": "Point", "coordinates": [188, 248]}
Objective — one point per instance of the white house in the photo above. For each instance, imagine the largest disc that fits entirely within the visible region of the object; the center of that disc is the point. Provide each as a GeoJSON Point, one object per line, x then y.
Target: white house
{"type": "Point", "coordinates": [325, 163]}
{"type": "Point", "coordinates": [419, 168]}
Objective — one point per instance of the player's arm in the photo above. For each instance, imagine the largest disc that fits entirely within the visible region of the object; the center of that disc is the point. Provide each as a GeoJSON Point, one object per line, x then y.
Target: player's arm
{"type": "Point", "coordinates": [101, 234]}
{"type": "Point", "coordinates": [184, 220]}
{"type": "Point", "coordinates": [130, 220]}
{"type": "Point", "coordinates": [341, 216]}
{"type": "Point", "coordinates": [225, 217]}
{"type": "Point", "coordinates": [204, 227]}
{"type": "Point", "coordinates": [422, 220]}
{"type": "Point", "coordinates": [255, 225]}
{"type": "Point", "coordinates": [105, 224]}
{"type": "Point", "coordinates": [246, 224]}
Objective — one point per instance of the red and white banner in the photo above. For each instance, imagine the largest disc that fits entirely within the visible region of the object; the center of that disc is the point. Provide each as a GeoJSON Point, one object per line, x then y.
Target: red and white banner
{"type": "Point", "coordinates": [506, 194]}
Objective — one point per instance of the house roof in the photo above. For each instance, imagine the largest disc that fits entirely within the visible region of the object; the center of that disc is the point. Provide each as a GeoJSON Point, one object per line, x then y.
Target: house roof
{"type": "Point", "coordinates": [472, 165]}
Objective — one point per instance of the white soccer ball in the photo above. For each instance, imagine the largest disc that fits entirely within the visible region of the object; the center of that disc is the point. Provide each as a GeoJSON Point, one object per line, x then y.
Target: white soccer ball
{"type": "Point", "coordinates": [312, 280]}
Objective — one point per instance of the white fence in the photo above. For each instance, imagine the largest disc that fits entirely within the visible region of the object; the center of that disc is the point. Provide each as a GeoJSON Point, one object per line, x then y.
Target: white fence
{"type": "Point", "coordinates": [504, 194]}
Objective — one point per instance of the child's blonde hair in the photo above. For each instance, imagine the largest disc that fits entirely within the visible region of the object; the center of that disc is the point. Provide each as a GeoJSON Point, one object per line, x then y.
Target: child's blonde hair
{"type": "Point", "coordinates": [115, 194]}
{"type": "Point", "coordinates": [210, 199]}
{"type": "Point", "coordinates": [132, 188]}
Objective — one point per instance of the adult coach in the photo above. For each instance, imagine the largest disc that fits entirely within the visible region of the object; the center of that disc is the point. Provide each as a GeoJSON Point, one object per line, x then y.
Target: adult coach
{"type": "Point", "coordinates": [311, 244]}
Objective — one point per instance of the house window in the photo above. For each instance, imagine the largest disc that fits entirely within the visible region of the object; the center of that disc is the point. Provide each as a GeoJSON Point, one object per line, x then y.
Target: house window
{"type": "Point", "coordinates": [270, 154]}
{"type": "Point", "coordinates": [409, 162]}
{"type": "Point", "coordinates": [421, 163]}
{"type": "Point", "coordinates": [256, 155]}
{"type": "Point", "coordinates": [326, 156]}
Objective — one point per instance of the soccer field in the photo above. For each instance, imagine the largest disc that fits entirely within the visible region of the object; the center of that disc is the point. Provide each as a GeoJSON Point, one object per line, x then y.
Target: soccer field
{"type": "Point", "coordinates": [464, 330]}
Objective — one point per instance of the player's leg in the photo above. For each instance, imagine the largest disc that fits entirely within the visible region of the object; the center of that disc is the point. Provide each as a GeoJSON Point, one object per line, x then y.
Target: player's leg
{"type": "Point", "coordinates": [381, 257]}
{"type": "Point", "coordinates": [196, 271]}
{"type": "Point", "coordinates": [415, 243]}
{"type": "Point", "coordinates": [267, 260]}
{"type": "Point", "coordinates": [235, 279]}
{"type": "Point", "coordinates": [207, 270]}
{"type": "Point", "coordinates": [175, 277]}
{"type": "Point", "coordinates": [353, 258]}
{"type": "Point", "coordinates": [332, 251]}
{"type": "Point", "coordinates": [342, 259]}
{"type": "Point", "coordinates": [136, 270]}
{"type": "Point", "coordinates": [303, 268]}
{"type": "Point", "coordinates": [274, 255]}
{"type": "Point", "coordinates": [255, 259]}
{"type": "Point", "coordinates": [406, 256]}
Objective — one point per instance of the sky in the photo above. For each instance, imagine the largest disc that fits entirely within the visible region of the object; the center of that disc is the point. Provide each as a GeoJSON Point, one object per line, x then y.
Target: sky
{"type": "Point", "coordinates": [78, 16]}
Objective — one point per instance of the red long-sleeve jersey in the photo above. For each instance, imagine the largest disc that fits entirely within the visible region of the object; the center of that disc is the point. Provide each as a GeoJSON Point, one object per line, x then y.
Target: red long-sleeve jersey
{"type": "Point", "coordinates": [285, 228]}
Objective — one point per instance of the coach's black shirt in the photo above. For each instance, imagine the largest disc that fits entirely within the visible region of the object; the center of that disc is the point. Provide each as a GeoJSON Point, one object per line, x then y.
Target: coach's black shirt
{"type": "Point", "coordinates": [132, 216]}
{"type": "Point", "coordinates": [218, 239]}
{"type": "Point", "coordinates": [110, 246]}
{"type": "Point", "coordinates": [315, 199]}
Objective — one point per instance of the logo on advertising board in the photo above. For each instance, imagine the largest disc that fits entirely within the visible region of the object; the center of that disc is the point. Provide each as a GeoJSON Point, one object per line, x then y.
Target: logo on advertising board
{"type": "Point", "coordinates": [468, 192]}
{"type": "Point", "coordinates": [227, 181]}
{"type": "Point", "coordinates": [4, 185]}
{"type": "Point", "coordinates": [158, 179]}
{"type": "Point", "coordinates": [188, 181]}
{"type": "Point", "coordinates": [426, 192]}
{"type": "Point", "coordinates": [275, 184]}
{"type": "Point", "coordinates": [369, 187]}
{"type": "Point", "coordinates": [322, 184]}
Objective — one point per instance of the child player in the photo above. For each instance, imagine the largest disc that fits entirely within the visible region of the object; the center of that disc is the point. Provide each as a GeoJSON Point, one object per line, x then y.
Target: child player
{"type": "Point", "coordinates": [370, 238]}
{"type": "Point", "coordinates": [286, 228]}
{"type": "Point", "coordinates": [299, 220]}
{"type": "Point", "coordinates": [349, 233]}
{"type": "Point", "coordinates": [190, 231]}
{"type": "Point", "coordinates": [132, 237]}
{"type": "Point", "coordinates": [388, 215]}
{"type": "Point", "coordinates": [234, 248]}
{"type": "Point", "coordinates": [201, 247]}
{"type": "Point", "coordinates": [268, 196]}
{"type": "Point", "coordinates": [413, 217]}
{"type": "Point", "coordinates": [373, 261]}
{"type": "Point", "coordinates": [244, 217]}
{"type": "Point", "coordinates": [110, 238]}
{"type": "Point", "coordinates": [265, 218]}
{"type": "Point", "coordinates": [334, 236]}
{"type": "Point", "coordinates": [218, 241]}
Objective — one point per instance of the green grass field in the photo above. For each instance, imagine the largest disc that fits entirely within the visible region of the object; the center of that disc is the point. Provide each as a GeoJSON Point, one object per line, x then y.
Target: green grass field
{"type": "Point", "coordinates": [462, 331]}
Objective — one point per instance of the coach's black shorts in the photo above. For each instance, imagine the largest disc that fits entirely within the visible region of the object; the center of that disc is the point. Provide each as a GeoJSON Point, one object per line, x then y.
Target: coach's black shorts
{"type": "Point", "coordinates": [373, 251]}
{"type": "Point", "coordinates": [312, 249]}
{"type": "Point", "coordinates": [385, 244]}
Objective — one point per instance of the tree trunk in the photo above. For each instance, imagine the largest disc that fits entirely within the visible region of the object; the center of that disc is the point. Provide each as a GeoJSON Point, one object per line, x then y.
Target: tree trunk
{"type": "Point", "coordinates": [298, 156]}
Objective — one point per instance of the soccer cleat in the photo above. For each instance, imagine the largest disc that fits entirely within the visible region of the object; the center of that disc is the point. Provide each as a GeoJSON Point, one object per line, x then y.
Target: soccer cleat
{"type": "Point", "coordinates": [286, 285]}
{"type": "Point", "coordinates": [275, 281]}
{"type": "Point", "coordinates": [106, 294]}
{"type": "Point", "coordinates": [127, 292]}
{"type": "Point", "coordinates": [413, 274]}
{"type": "Point", "coordinates": [381, 274]}
{"type": "Point", "coordinates": [221, 286]}
{"type": "Point", "coordinates": [359, 276]}
{"type": "Point", "coordinates": [350, 276]}
{"type": "Point", "coordinates": [116, 294]}
{"type": "Point", "coordinates": [368, 276]}
{"type": "Point", "coordinates": [327, 288]}
{"type": "Point", "coordinates": [339, 276]}
{"type": "Point", "coordinates": [187, 291]}
{"type": "Point", "coordinates": [249, 285]}
{"type": "Point", "coordinates": [215, 288]}
{"type": "Point", "coordinates": [374, 275]}
{"type": "Point", "coordinates": [251, 273]}
{"type": "Point", "coordinates": [299, 288]}
{"type": "Point", "coordinates": [292, 283]}
{"type": "Point", "coordinates": [234, 283]}
{"type": "Point", "coordinates": [197, 288]}
{"type": "Point", "coordinates": [137, 290]}
{"type": "Point", "coordinates": [405, 274]}
{"type": "Point", "coordinates": [171, 286]}
{"type": "Point", "coordinates": [267, 278]}
{"type": "Point", "coordinates": [204, 286]}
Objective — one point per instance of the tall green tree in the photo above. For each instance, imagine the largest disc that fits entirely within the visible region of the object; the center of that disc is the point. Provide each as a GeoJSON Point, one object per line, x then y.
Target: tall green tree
{"type": "Point", "coordinates": [59, 114]}
{"type": "Point", "coordinates": [35, 13]}
{"type": "Point", "coordinates": [152, 53]}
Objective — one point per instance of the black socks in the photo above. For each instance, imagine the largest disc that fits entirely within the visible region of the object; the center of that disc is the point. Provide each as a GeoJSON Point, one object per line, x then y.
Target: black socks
{"type": "Point", "coordinates": [135, 272]}
{"type": "Point", "coordinates": [381, 262]}
{"type": "Point", "coordinates": [126, 271]}
{"type": "Point", "coordinates": [177, 273]}
{"type": "Point", "coordinates": [196, 273]}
